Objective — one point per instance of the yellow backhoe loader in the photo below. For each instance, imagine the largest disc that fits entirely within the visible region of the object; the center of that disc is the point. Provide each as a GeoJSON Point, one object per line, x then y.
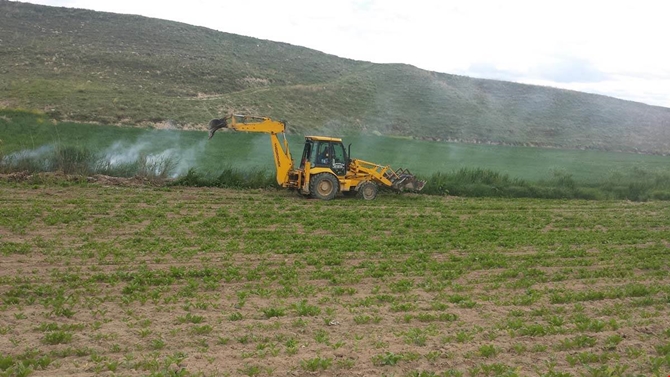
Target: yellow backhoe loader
{"type": "Point", "coordinates": [326, 168]}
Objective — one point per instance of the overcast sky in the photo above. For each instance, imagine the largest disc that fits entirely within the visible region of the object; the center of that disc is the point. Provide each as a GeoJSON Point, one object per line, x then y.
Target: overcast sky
{"type": "Point", "coordinates": [616, 48]}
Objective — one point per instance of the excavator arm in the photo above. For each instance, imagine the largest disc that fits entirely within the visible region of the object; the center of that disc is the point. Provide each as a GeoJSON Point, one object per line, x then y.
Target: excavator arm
{"type": "Point", "coordinates": [280, 149]}
{"type": "Point", "coordinates": [247, 124]}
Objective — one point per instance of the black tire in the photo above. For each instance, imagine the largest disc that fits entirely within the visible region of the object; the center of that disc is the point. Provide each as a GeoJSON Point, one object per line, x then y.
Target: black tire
{"type": "Point", "coordinates": [368, 191]}
{"type": "Point", "coordinates": [324, 186]}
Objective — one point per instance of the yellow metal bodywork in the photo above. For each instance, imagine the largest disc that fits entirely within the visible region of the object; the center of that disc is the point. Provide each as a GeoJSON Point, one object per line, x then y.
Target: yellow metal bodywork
{"type": "Point", "coordinates": [323, 138]}
{"type": "Point", "coordinates": [256, 124]}
{"type": "Point", "coordinates": [280, 149]}
{"type": "Point", "coordinates": [283, 160]}
{"type": "Point", "coordinates": [357, 173]}
{"type": "Point", "coordinates": [366, 171]}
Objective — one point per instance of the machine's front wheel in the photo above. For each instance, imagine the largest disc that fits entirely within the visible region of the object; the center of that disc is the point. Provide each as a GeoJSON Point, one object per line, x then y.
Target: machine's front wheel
{"type": "Point", "coordinates": [324, 186]}
{"type": "Point", "coordinates": [368, 190]}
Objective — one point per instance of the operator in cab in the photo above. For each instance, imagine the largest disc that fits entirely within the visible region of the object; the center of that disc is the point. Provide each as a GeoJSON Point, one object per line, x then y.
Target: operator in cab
{"type": "Point", "coordinates": [324, 156]}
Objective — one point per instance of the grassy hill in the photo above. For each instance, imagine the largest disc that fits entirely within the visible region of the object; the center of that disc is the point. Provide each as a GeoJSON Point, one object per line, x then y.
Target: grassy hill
{"type": "Point", "coordinates": [109, 68]}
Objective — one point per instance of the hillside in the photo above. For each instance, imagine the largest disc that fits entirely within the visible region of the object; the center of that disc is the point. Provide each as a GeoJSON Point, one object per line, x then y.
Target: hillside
{"type": "Point", "coordinates": [119, 69]}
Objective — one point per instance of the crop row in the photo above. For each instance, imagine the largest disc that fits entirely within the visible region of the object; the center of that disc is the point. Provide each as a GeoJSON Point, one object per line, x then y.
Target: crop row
{"type": "Point", "coordinates": [175, 280]}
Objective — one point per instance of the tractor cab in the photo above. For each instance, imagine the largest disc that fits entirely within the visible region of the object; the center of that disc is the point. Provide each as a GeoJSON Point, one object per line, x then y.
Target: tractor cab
{"type": "Point", "coordinates": [325, 152]}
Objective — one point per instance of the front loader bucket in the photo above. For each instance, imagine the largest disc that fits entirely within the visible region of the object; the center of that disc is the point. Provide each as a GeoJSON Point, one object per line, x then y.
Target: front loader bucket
{"type": "Point", "coordinates": [404, 180]}
{"type": "Point", "coordinates": [216, 124]}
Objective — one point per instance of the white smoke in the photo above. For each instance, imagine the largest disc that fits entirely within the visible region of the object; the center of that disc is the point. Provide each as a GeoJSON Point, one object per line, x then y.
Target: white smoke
{"type": "Point", "coordinates": [32, 154]}
{"type": "Point", "coordinates": [122, 152]}
{"type": "Point", "coordinates": [35, 158]}
{"type": "Point", "coordinates": [158, 151]}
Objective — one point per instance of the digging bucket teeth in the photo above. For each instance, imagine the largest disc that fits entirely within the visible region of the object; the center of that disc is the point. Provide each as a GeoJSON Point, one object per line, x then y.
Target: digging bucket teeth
{"type": "Point", "coordinates": [404, 180]}
{"type": "Point", "coordinates": [216, 124]}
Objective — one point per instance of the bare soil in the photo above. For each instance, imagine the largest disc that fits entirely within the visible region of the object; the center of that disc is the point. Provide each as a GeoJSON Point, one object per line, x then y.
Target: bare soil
{"type": "Point", "coordinates": [94, 271]}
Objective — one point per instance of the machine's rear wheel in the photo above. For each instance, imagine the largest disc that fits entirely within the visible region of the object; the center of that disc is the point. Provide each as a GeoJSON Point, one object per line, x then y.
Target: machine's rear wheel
{"type": "Point", "coordinates": [368, 190]}
{"type": "Point", "coordinates": [324, 186]}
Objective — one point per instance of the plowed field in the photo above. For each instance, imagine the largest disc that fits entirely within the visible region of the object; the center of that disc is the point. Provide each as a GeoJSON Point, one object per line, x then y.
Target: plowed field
{"type": "Point", "coordinates": [115, 280]}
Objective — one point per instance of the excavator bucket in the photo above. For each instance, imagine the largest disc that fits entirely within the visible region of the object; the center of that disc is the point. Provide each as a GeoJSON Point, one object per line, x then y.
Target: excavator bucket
{"type": "Point", "coordinates": [404, 180]}
{"type": "Point", "coordinates": [216, 124]}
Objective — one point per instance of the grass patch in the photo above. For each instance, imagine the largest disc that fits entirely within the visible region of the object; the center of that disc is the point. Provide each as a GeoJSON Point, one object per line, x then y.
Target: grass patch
{"type": "Point", "coordinates": [33, 143]}
{"type": "Point", "coordinates": [159, 275]}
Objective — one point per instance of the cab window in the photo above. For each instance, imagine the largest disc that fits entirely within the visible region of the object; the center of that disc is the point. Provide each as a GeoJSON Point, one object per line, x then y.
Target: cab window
{"type": "Point", "coordinates": [339, 164]}
{"type": "Point", "coordinates": [306, 154]}
{"type": "Point", "coordinates": [323, 154]}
